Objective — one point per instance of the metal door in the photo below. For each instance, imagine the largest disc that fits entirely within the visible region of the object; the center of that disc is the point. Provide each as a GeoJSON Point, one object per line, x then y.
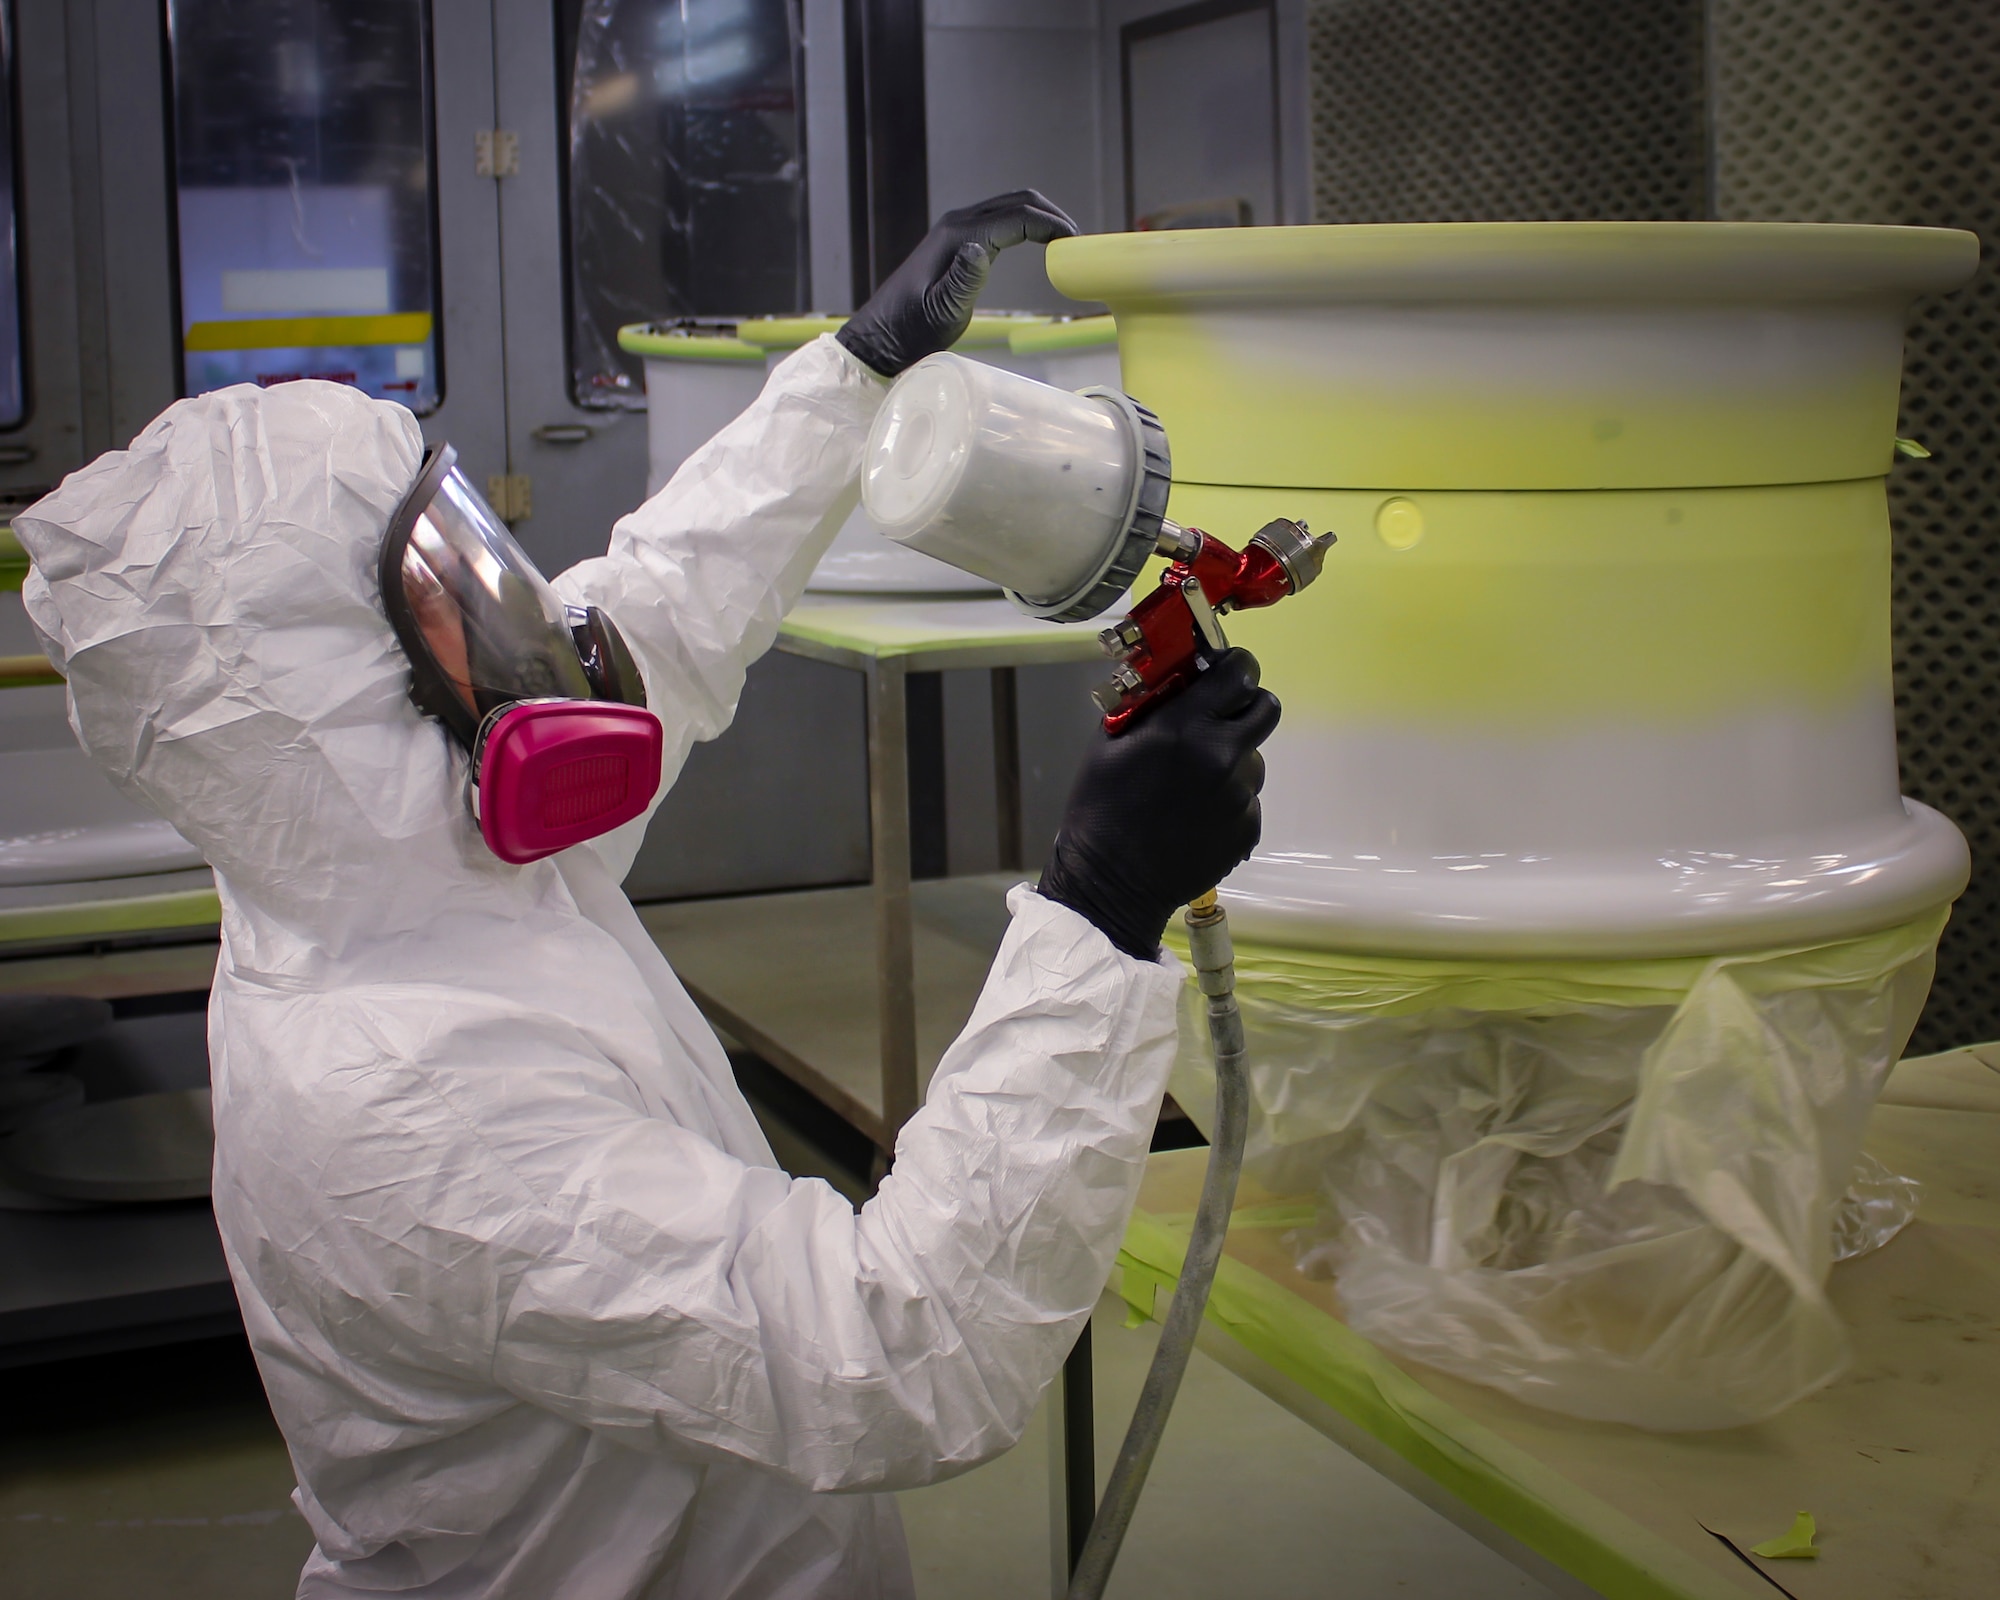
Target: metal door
{"type": "Point", "coordinates": [473, 417]}
{"type": "Point", "coordinates": [679, 190]}
{"type": "Point", "coordinates": [576, 469]}
{"type": "Point", "coordinates": [88, 234]}
{"type": "Point", "coordinates": [576, 427]}
{"type": "Point", "coordinates": [331, 219]}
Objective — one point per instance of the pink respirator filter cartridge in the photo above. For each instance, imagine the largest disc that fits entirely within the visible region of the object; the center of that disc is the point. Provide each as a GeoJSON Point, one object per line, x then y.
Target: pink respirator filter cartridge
{"type": "Point", "coordinates": [555, 773]}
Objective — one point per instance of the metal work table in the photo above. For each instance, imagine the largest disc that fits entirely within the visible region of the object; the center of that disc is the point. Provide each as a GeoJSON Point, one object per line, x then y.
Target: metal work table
{"type": "Point", "coordinates": [81, 1282]}
{"type": "Point", "coordinates": [77, 1282]}
{"type": "Point", "coordinates": [120, 1277]}
{"type": "Point", "coordinates": [151, 909]}
{"type": "Point", "coordinates": [789, 974]}
{"type": "Point", "coordinates": [1894, 1460]}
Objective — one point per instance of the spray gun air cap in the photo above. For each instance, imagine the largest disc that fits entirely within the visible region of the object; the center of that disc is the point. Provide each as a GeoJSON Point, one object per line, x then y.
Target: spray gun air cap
{"type": "Point", "coordinates": [1057, 497]}
{"type": "Point", "coordinates": [1297, 551]}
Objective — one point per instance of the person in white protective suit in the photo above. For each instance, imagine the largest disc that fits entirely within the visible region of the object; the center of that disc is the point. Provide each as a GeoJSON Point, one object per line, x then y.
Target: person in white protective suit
{"type": "Point", "coordinates": [536, 1310]}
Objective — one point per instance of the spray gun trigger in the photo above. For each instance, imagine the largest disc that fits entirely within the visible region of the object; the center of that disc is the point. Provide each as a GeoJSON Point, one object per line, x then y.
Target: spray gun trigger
{"type": "Point", "coordinates": [1204, 614]}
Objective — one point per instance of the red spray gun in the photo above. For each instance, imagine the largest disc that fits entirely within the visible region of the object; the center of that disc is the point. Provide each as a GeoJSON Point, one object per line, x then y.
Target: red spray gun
{"type": "Point", "coordinates": [1173, 633]}
{"type": "Point", "coordinates": [1061, 499]}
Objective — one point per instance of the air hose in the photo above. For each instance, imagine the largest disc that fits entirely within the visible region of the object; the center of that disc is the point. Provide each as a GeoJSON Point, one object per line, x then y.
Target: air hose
{"type": "Point", "coordinates": [1214, 965]}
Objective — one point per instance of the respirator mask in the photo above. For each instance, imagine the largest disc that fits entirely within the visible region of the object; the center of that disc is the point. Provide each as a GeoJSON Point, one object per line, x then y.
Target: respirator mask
{"type": "Point", "coordinates": [545, 699]}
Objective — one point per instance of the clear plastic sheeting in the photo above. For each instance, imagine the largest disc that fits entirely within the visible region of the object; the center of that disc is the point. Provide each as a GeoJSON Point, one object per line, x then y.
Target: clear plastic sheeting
{"type": "Point", "coordinates": [1613, 1189]}
{"type": "Point", "coordinates": [687, 181]}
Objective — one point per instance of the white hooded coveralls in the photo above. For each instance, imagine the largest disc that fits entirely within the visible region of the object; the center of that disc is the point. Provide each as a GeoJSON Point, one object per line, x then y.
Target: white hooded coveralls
{"type": "Point", "coordinates": [536, 1310]}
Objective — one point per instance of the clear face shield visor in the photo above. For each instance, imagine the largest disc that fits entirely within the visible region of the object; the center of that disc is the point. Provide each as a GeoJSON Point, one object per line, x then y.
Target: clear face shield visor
{"type": "Point", "coordinates": [544, 698]}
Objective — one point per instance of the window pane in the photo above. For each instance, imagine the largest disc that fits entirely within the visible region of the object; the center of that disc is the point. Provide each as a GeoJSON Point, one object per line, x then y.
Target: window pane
{"type": "Point", "coordinates": [687, 193]}
{"type": "Point", "coordinates": [307, 224]}
{"type": "Point", "coordinates": [13, 395]}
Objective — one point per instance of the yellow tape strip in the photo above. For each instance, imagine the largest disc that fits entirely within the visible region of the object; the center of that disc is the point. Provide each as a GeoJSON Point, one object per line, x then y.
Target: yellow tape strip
{"type": "Point", "coordinates": [305, 333]}
{"type": "Point", "coordinates": [1794, 1544]}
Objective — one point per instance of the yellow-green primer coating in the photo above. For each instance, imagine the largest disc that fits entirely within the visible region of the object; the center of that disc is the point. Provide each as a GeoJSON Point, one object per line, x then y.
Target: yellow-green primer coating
{"type": "Point", "coordinates": [1246, 397]}
{"type": "Point", "coordinates": [1065, 333]}
{"type": "Point", "coordinates": [674, 344]}
{"type": "Point", "coordinates": [788, 333]}
{"type": "Point", "coordinates": [1517, 262]}
{"type": "Point", "coordinates": [1517, 355]}
{"type": "Point", "coordinates": [1531, 610]}
{"type": "Point", "coordinates": [1582, 474]}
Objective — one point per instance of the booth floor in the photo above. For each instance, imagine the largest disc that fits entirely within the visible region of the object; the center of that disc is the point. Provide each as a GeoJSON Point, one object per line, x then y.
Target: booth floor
{"type": "Point", "coordinates": [1898, 1461]}
{"type": "Point", "coordinates": [166, 1479]}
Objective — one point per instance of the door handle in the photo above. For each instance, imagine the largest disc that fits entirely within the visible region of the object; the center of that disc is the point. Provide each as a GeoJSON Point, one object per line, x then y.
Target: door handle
{"type": "Point", "coordinates": [565, 433]}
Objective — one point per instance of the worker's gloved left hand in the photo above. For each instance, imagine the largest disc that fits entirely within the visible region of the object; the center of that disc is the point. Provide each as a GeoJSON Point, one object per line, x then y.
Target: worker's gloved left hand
{"type": "Point", "coordinates": [1167, 809]}
{"type": "Point", "coordinates": [925, 304]}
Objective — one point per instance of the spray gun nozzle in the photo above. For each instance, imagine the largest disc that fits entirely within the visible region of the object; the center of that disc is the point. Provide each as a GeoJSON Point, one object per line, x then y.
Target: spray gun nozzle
{"type": "Point", "coordinates": [1295, 549]}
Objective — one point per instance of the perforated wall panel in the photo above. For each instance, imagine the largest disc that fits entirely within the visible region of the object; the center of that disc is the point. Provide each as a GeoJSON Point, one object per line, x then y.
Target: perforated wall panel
{"type": "Point", "coordinates": [1752, 110]}
{"type": "Point", "coordinates": [1878, 111]}
{"type": "Point", "coordinates": [1505, 110]}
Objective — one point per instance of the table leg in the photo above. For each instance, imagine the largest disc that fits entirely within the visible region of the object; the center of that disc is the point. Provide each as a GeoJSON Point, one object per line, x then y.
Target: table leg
{"type": "Point", "coordinates": [889, 839]}
{"type": "Point", "coordinates": [1079, 1449]}
{"type": "Point", "coordinates": [1007, 768]}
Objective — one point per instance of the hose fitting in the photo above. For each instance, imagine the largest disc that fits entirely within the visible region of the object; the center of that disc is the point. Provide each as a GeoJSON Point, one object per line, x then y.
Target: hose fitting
{"type": "Point", "coordinates": [1209, 947]}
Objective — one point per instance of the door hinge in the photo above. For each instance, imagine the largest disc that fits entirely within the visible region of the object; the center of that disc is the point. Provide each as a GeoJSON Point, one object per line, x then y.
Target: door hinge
{"type": "Point", "coordinates": [497, 153]}
{"type": "Point", "coordinates": [511, 495]}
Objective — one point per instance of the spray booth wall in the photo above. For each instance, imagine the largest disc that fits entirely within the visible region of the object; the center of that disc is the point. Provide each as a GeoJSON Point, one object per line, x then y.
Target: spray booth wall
{"type": "Point", "coordinates": [1744, 110]}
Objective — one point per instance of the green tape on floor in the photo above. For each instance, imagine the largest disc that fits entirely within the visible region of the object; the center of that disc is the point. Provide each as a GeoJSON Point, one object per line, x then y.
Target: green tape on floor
{"type": "Point", "coordinates": [1546, 1512]}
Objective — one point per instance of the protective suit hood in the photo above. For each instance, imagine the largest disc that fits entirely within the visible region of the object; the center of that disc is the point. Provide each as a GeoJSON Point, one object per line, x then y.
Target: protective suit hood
{"type": "Point", "coordinates": [211, 594]}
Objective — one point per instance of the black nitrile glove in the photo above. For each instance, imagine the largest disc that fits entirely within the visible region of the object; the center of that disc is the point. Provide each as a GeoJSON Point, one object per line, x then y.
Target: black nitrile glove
{"type": "Point", "coordinates": [1167, 809]}
{"type": "Point", "coordinates": [926, 303]}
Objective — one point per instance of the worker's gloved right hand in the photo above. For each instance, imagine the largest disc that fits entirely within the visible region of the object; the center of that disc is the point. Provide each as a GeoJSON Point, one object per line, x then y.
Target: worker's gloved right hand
{"type": "Point", "coordinates": [925, 304]}
{"type": "Point", "coordinates": [1167, 809]}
